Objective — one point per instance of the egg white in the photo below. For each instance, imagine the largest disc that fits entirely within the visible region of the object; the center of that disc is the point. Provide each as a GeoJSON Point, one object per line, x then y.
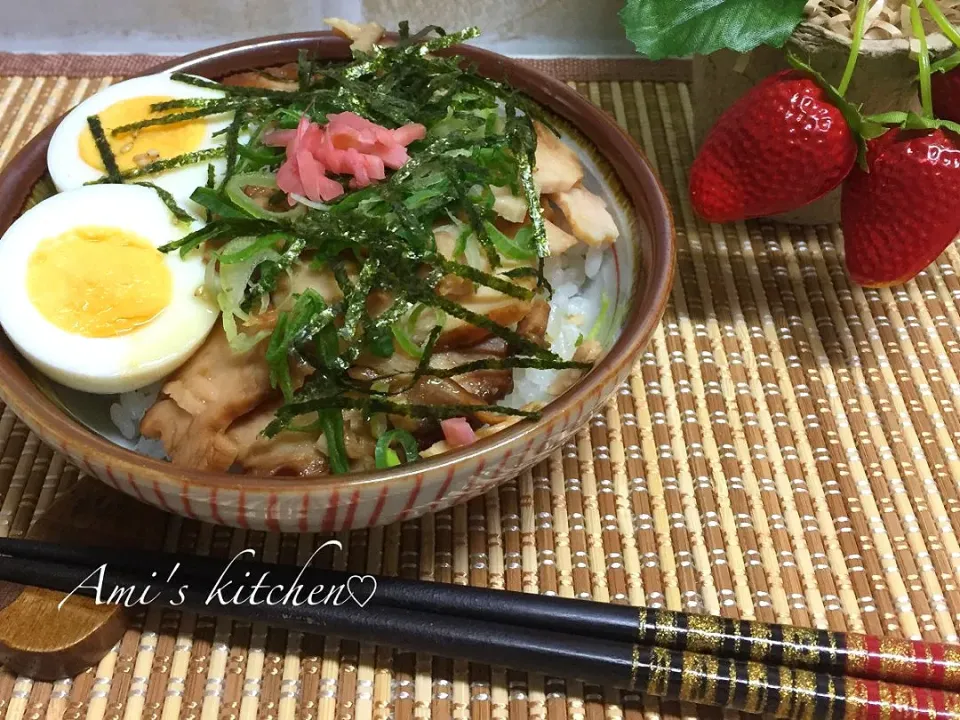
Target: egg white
{"type": "Point", "coordinates": [69, 171]}
{"type": "Point", "coordinates": [108, 365]}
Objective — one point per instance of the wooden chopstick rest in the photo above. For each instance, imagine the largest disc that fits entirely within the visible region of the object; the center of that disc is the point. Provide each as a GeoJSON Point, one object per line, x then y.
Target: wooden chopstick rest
{"type": "Point", "coordinates": [42, 642]}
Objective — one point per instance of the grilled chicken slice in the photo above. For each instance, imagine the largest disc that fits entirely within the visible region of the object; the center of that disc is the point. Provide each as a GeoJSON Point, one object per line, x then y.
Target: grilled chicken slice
{"type": "Point", "coordinates": [286, 453]}
{"type": "Point", "coordinates": [191, 442]}
{"type": "Point", "coordinates": [480, 387]}
{"type": "Point", "coordinates": [587, 215]}
{"type": "Point", "coordinates": [507, 205]}
{"type": "Point", "coordinates": [480, 299]}
{"type": "Point", "coordinates": [436, 391]}
{"type": "Point", "coordinates": [208, 393]}
{"type": "Point", "coordinates": [534, 324]}
{"type": "Point", "coordinates": [282, 77]}
{"type": "Point", "coordinates": [496, 306]}
{"type": "Point", "coordinates": [487, 386]}
{"type": "Point", "coordinates": [303, 277]}
{"type": "Point", "coordinates": [558, 167]}
{"type": "Point", "coordinates": [363, 36]}
{"type": "Point", "coordinates": [558, 239]}
{"type": "Point", "coordinates": [358, 441]}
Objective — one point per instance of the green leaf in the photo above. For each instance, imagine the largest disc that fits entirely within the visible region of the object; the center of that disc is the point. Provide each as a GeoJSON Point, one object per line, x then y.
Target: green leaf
{"type": "Point", "coordinates": [946, 64]}
{"type": "Point", "coordinates": [910, 121]}
{"type": "Point", "coordinates": [888, 118]}
{"type": "Point", "coordinates": [677, 28]}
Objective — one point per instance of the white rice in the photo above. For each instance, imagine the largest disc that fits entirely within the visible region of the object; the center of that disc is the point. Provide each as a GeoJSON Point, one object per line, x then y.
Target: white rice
{"type": "Point", "coordinates": [572, 314]}
{"type": "Point", "coordinates": [126, 414]}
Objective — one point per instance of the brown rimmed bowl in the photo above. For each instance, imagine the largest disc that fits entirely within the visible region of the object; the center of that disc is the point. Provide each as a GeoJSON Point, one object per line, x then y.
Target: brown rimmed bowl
{"type": "Point", "coordinates": [640, 272]}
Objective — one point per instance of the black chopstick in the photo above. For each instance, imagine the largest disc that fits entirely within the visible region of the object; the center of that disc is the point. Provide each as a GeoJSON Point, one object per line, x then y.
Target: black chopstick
{"type": "Point", "coordinates": [580, 617]}
{"type": "Point", "coordinates": [922, 664]}
{"type": "Point", "coordinates": [752, 687]}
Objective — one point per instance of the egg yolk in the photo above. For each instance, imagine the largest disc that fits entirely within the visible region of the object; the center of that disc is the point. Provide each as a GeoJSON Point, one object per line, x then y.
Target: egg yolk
{"type": "Point", "coordinates": [141, 147]}
{"type": "Point", "coordinates": [98, 281]}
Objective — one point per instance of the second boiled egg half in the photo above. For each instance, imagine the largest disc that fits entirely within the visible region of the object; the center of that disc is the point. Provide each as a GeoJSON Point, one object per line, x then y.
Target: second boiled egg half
{"type": "Point", "coordinates": [73, 159]}
{"type": "Point", "coordinates": [88, 298]}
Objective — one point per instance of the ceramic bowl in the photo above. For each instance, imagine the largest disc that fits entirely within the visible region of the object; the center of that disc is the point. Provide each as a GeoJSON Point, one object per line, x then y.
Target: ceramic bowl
{"type": "Point", "coordinates": [638, 274]}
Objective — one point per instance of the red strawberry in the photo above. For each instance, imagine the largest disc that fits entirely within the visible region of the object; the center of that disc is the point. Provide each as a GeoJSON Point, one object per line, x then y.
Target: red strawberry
{"type": "Point", "coordinates": [946, 94]}
{"type": "Point", "coordinates": [781, 146]}
{"type": "Point", "coordinates": [902, 214]}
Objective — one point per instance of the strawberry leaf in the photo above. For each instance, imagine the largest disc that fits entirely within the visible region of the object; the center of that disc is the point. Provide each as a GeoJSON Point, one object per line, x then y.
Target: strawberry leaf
{"type": "Point", "coordinates": [863, 128]}
{"type": "Point", "coordinates": [911, 121]}
{"type": "Point", "coordinates": [889, 119]}
{"type": "Point", "coordinates": [947, 64]}
{"type": "Point", "coordinates": [678, 28]}
{"type": "Point", "coordinates": [918, 122]}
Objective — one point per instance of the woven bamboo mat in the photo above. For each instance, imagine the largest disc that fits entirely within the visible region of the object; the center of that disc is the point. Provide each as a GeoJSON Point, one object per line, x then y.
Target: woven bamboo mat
{"type": "Point", "coordinates": [786, 450]}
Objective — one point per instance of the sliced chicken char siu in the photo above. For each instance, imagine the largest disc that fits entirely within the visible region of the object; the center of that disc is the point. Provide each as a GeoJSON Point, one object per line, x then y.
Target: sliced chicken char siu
{"type": "Point", "coordinates": [281, 77]}
{"type": "Point", "coordinates": [214, 388]}
{"type": "Point", "coordinates": [287, 453]}
{"type": "Point", "coordinates": [534, 324]}
{"type": "Point", "coordinates": [480, 387]}
{"type": "Point", "coordinates": [304, 277]}
{"type": "Point", "coordinates": [363, 36]}
{"type": "Point", "coordinates": [509, 206]}
{"type": "Point", "coordinates": [558, 168]}
{"type": "Point", "coordinates": [587, 216]}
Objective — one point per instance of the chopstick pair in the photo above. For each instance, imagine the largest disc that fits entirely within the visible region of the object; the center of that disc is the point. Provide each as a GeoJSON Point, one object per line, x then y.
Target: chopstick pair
{"type": "Point", "coordinates": [646, 651]}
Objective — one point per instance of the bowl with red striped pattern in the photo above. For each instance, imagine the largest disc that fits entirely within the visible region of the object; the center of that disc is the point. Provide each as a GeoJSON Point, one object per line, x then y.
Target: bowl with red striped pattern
{"type": "Point", "coordinates": [643, 266]}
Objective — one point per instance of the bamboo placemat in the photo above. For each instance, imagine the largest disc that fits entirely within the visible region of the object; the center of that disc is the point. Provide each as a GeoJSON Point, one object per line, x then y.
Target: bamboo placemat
{"type": "Point", "coordinates": [785, 450]}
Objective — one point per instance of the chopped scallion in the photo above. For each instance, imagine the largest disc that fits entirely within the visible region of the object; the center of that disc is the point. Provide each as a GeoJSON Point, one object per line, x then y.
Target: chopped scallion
{"type": "Point", "coordinates": [383, 452]}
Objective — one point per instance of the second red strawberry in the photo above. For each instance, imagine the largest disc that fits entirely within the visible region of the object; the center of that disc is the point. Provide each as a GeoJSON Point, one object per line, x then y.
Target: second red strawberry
{"type": "Point", "coordinates": [780, 147]}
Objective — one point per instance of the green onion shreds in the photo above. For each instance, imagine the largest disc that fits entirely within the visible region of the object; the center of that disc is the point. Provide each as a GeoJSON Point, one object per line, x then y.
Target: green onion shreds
{"type": "Point", "coordinates": [331, 420]}
{"type": "Point", "coordinates": [402, 438]}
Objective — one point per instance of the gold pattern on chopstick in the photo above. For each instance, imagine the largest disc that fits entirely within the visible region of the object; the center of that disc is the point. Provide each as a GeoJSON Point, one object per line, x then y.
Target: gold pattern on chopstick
{"type": "Point", "coordinates": [785, 692]}
{"type": "Point", "coordinates": [895, 657]}
{"type": "Point", "coordinates": [951, 673]}
{"type": "Point", "coordinates": [833, 648]}
{"type": "Point", "coordinates": [804, 694]}
{"type": "Point", "coordinates": [856, 698]}
{"type": "Point", "coordinates": [952, 703]}
{"type": "Point", "coordinates": [634, 666]}
{"type": "Point", "coordinates": [704, 633]}
{"type": "Point", "coordinates": [666, 629]}
{"type": "Point", "coordinates": [760, 632]}
{"type": "Point", "coordinates": [800, 647]}
{"type": "Point", "coordinates": [659, 671]}
{"type": "Point", "coordinates": [857, 654]}
{"type": "Point", "coordinates": [699, 681]}
{"type": "Point", "coordinates": [886, 698]}
{"type": "Point", "coordinates": [756, 688]}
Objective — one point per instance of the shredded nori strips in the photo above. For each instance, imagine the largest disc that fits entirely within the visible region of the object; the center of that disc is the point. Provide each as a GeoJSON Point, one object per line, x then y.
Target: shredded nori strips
{"type": "Point", "coordinates": [178, 212]}
{"type": "Point", "coordinates": [205, 111]}
{"type": "Point", "coordinates": [107, 157]}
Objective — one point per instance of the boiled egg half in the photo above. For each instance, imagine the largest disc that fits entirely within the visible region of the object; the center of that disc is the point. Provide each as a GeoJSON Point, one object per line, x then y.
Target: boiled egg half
{"type": "Point", "coordinates": [74, 160]}
{"type": "Point", "coordinates": [87, 297]}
